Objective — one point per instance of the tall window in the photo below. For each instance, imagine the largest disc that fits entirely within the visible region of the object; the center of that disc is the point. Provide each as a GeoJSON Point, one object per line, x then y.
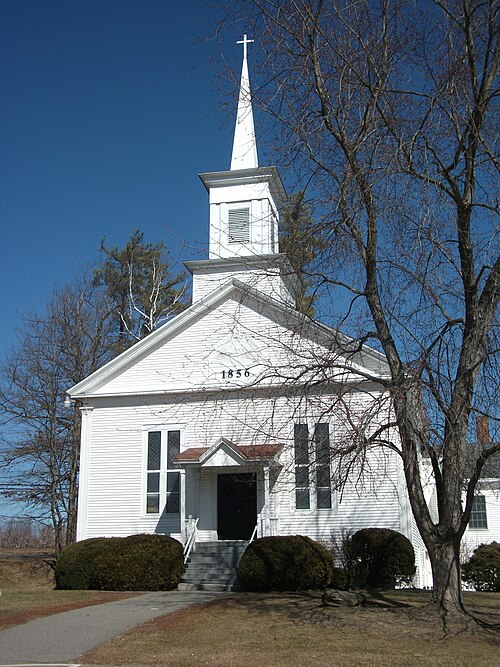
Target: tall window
{"type": "Point", "coordinates": [323, 484]}
{"type": "Point", "coordinates": [162, 479]}
{"type": "Point", "coordinates": [301, 442]}
{"type": "Point", "coordinates": [173, 495]}
{"type": "Point", "coordinates": [312, 463]}
{"type": "Point", "coordinates": [478, 517]}
{"type": "Point", "coordinates": [153, 474]}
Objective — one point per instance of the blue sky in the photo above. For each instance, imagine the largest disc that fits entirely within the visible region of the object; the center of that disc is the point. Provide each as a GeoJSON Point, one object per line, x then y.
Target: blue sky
{"type": "Point", "coordinates": [110, 109]}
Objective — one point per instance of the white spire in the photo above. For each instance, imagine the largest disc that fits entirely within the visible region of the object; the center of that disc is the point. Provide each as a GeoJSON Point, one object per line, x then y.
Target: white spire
{"type": "Point", "coordinates": [244, 154]}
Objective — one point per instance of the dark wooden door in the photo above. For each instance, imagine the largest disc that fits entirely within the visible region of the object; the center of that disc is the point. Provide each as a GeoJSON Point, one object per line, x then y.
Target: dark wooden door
{"type": "Point", "coordinates": [236, 506]}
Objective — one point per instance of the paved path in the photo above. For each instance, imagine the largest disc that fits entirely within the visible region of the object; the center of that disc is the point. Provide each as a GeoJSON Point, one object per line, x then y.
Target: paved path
{"type": "Point", "coordinates": [61, 638]}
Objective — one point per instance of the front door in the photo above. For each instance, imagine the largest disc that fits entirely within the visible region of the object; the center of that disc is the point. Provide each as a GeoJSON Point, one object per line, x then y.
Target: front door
{"type": "Point", "coordinates": [236, 506]}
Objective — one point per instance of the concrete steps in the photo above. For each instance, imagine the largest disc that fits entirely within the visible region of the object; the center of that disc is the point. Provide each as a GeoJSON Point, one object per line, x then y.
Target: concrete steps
{"type": "Point", "coordinates": [213, 566]}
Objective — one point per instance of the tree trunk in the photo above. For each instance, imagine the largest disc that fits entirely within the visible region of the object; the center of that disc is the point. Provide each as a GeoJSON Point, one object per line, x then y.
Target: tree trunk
{"type": "Point", "coordinates": [447, 592]}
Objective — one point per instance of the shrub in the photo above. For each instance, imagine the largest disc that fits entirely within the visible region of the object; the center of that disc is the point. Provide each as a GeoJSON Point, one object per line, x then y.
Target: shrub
{"type": "Point", "coordinates": [381, 558]}
{"type": "Point", "coordinates": [140, 563]}
{"type": "Point", "coordinates": [285, 564]}
{"type": "Point", "coordinates": [137, 562]}
{"type": "Point", "coordinates": [75, 565]}
{"type": "Point", "coordinates": [482, 571]}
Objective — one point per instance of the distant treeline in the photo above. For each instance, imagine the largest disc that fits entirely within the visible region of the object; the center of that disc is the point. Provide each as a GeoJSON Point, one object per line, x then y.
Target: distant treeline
{"type": "Point", "coordinates": [25, 533]}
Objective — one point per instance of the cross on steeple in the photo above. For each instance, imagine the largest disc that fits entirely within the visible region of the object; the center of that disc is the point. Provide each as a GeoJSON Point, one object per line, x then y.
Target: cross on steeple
{"type": "Point", "coordinates": [245, 41]}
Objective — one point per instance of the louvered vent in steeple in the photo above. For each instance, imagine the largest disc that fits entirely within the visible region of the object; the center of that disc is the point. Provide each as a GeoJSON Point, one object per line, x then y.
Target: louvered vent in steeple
{"type": "Point", "coordinates": [239, 225]}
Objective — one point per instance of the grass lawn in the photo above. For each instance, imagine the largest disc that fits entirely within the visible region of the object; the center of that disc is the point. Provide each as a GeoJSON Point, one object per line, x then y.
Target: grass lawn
{"type": "Point", "coordinates": [295, 629]}
{"type": "Point", "coordinates": [20, 606]}
{"type": "Point", "coordinates": [27, 584]}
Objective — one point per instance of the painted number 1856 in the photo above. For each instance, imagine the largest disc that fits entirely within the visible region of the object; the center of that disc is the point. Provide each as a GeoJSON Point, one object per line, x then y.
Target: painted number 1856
{"type": "Point", "coordinates": [234, 373]}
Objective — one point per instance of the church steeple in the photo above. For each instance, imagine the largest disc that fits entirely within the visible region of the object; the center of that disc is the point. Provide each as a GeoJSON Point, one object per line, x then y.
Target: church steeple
{"type": "Point", "coordinates": [244, 215]}
{"type": "Point", "coordinates": [244, 154]}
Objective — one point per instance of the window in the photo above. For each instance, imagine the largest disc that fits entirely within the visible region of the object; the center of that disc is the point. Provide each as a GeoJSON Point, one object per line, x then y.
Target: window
{"type": "Point", "coordinates": [478, 513]}
{"type": "Point", "coordinates": [162, 479]}
{"type": "Point", "coordinates": [239, 225]}
{"type": "Point", "coordinates": [301, 444]}
{"type": "Point", "coordinates": [172, 503]}
{"type": "Point", "coordinates": [323, 485]}
{"type": "Point", "coordinates": [315, 466]}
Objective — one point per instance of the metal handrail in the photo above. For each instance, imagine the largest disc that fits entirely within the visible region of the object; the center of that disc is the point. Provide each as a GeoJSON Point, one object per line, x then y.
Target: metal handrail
{"type": "Point", "coordinates": [191, 538]}
{"type": "Point", "coordinates": [255, 530]}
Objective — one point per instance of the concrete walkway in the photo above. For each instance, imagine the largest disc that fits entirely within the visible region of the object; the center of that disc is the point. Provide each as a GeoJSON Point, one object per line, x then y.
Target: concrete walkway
{"type": "Point", "coordinates": [61, 638]}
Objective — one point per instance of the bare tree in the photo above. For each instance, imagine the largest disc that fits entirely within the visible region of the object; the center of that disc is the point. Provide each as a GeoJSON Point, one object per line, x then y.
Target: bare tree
{"type": "Point", "coordinates": [40, 446]}
{"type": "Point", "coordinates": [387, 109]}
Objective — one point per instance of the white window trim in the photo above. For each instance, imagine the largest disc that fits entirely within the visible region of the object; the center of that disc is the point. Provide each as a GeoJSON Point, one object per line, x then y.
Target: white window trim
{"type": "Point", "coordinates": [480, 528]}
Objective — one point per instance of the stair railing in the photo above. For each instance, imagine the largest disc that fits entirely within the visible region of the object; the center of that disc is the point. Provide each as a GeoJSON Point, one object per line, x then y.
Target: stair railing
{"type": "Point", "coordinates": [256, 531]}
{"type": "Point", "coordinates": [191, 535]}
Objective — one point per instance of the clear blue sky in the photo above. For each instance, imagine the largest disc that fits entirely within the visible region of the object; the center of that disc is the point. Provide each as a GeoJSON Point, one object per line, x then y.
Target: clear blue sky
{"type": "Point", "coordinates": [110, 109]}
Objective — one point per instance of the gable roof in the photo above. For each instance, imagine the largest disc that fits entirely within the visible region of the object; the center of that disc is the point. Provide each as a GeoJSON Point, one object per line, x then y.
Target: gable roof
{"type": "Point", "coordinates": [243, 453]}
{"type": "Point", "coordinates": [229, 289]}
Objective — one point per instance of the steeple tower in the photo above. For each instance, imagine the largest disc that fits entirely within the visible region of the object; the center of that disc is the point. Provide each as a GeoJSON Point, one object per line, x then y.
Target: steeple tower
{"type": "Point", "coordinates": [244, 213]}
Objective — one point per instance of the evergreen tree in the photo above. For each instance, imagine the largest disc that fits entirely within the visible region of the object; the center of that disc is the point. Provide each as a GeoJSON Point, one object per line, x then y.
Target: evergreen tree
{"type": "Point", "coordinates": [139, 282]}
{"type": "Point", "coordinates": [301, 242]}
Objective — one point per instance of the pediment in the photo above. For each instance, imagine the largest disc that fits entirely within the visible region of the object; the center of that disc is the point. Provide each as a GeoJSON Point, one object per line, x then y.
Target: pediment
{"type": "Point", "coordinates": [222, 454]}
{"type": "Point", "coordinates": [235, 337]}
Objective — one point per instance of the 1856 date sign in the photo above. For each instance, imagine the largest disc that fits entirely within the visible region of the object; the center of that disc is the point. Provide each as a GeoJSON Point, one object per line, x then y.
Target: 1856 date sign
{"type": "Point", "coordinates": [235, 373]}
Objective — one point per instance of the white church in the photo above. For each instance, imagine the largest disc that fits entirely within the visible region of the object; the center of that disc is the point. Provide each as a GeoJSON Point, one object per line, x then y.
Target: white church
{"type": "Point", "coordinates": [219, 425]}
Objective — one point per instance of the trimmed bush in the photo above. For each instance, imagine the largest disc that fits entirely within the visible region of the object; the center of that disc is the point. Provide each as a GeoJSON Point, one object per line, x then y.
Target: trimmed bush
{"type": "Point", "coordinates": [483, 569]}
{"type": "Point", "coordinates": [137, 562]}
{"type": "Point", "coordinates": [381, 558]}
{"type": "Point", "coordinates": [75, 566]}
{"type": "Point", "coordinates": [140, 563]}
{"type": "Point", "coordinates": [288, 563]}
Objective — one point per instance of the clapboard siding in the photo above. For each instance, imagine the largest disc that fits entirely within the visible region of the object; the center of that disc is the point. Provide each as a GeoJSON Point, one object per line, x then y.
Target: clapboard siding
{"type": "Point", "coordinates": [116, 468]}
{"type": "Point", "coordinates": [264, 279]}
{"type": "Point", "coordinates": [233, 336]}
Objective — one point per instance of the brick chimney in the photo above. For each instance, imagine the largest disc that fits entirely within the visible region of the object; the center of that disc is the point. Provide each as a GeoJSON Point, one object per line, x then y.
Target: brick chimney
{"type": "Point", "coordinates": [482, 430]}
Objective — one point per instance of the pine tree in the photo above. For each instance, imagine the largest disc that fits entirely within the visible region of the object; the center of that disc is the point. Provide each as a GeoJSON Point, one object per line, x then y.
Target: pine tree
{"type": "Point", "coordinates": [141, 286]}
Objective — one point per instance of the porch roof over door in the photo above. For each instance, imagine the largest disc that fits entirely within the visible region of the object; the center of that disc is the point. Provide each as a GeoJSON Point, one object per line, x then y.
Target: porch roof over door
{"type": "Point", "coordinates": [227, 453]}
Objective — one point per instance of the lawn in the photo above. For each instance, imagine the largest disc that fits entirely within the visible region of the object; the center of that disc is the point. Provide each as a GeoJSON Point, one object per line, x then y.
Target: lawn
{"type": "Point", "coordinates": [26, 586]}
{"type": "Point", "coordinates": [295, 629]}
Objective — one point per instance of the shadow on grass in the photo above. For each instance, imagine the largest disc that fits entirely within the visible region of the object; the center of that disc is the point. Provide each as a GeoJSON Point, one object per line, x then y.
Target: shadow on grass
{"type": "Point", "coordinates": [307, 606]}
{"type": "Point", "coordinates": [413, 608]}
